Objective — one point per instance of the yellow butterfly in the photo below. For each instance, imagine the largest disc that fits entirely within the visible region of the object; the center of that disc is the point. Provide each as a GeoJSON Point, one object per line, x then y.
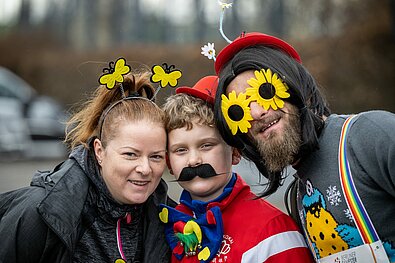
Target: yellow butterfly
{"type": "Point", "coordinates": [115, 73]}
{"type": "Point", "coordinates": [166, 75]}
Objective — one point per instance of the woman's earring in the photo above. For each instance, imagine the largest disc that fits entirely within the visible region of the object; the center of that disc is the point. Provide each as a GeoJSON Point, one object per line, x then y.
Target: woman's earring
{"type": "Point", "coordinates": [99, 161]}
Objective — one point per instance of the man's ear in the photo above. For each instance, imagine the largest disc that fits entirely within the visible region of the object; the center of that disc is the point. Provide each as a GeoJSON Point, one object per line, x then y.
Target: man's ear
{"type": "Point", "coordinates": [98, 148]}
{"type": "Point", "coordinates": [168, 164]}
{"type": "Point", "coordinates": [236, 156]}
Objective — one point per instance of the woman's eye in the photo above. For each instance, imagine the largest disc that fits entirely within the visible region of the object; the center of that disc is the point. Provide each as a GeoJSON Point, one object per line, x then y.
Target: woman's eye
{"type": "Point", "coordinates": [130, 154]}
{"type": "Point", "coordinates": [158, 157]}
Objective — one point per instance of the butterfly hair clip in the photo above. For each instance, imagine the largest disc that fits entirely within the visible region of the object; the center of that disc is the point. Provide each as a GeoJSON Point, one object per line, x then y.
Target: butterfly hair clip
{"type": "Point", "coordinates": [114, 73]}
{"type": "Point", "coordinates": [165, 75]}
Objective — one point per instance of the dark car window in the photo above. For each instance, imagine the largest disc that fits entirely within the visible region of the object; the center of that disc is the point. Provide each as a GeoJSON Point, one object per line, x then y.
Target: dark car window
{"type": "Point", "coordinates": [12, 86]}
{"type": "Point", "coordinates": [5, 92]}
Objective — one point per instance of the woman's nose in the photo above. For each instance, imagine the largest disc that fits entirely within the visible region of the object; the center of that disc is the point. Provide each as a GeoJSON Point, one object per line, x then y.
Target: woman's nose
{"type": "Point", "coordinates": [144, 166]}
{"type": "Point", "coordinates": [257, 111]}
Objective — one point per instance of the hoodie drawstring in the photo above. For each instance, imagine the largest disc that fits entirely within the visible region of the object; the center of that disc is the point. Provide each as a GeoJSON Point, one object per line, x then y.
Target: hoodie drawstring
{"type": "Point", "coordinates": [128, 219]}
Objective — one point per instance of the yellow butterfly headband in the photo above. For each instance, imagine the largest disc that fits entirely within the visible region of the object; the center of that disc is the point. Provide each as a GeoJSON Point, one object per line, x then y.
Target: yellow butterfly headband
{"type": "Point", "coordinates": [267, 89]}
{"type": "Point", "coordinates": [165, 75]}
{"type": "Point", "coordinates": [112, 75]}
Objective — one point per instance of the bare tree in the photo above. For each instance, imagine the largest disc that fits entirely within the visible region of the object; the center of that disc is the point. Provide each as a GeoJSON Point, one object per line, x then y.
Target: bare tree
{"type": "Point", "coordinates": [137, 20]}
{"type": "Point", "coordinates": [201, 23]}
{"type": "Point", "coordinates": [392, 13]}
{"type": "Point", "coordinates": [276, 17]}
{"type": "Point", "coordinates": [24, 15]}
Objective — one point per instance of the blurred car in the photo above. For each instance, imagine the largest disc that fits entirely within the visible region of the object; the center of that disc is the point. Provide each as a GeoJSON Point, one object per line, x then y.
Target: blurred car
{"type": "Point", "coordinates": [14, 135]}
{"type": "Point", "coordinates": [27, 118]}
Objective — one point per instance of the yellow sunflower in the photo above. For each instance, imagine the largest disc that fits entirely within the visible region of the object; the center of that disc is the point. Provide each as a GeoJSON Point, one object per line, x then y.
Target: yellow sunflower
{"type": "Point", "coordinates": [236, 112]}
{"type": "Point", "coordinates": [267, 89]}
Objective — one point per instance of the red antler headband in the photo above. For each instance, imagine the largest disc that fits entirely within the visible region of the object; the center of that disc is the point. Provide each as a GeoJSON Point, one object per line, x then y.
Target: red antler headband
{"type": "Point", "coordinates": [252, 39]}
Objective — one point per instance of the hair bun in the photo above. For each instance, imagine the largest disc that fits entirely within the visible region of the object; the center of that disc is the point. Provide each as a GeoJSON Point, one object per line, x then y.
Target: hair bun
{"type": "Point", "coordinates": [138, 88]}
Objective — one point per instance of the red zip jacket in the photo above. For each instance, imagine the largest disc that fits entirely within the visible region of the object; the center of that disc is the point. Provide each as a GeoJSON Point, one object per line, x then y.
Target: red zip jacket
{"type": "Point", "coordinates": [255, 231]}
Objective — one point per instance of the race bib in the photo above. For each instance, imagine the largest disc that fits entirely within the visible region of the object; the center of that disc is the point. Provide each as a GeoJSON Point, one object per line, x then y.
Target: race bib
{"type": "Point", "coordinates": [368, 253]}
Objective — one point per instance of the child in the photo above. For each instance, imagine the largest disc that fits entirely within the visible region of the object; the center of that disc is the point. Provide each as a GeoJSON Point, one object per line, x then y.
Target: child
{"type": "Point", "coordinates": [218, 219]}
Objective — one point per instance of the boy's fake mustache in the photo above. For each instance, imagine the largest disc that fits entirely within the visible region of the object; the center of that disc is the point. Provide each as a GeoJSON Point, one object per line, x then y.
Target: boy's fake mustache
{"type": "Point", "coordinates": [203, 171]}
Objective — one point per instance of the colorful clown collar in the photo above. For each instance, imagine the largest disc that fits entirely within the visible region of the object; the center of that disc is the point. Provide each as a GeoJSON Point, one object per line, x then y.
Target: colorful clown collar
{"type": "Point", "coordinates": [267, 89]}
{"type": "Point", "coordinates": [195, 234]}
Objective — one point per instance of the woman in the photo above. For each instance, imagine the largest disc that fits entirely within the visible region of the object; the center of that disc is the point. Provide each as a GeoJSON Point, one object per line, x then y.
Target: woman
{"type": "Point", "coordinates": [100, 205]}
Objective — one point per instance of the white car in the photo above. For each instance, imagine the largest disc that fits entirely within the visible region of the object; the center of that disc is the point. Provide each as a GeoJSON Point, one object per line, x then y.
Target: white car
{"type": "Point", "coordinates": [27, 120]}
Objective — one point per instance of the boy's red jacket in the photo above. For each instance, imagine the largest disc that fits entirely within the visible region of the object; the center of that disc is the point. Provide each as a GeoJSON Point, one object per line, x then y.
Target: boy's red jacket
{"type": "Point", "coordinates": [255, 231]}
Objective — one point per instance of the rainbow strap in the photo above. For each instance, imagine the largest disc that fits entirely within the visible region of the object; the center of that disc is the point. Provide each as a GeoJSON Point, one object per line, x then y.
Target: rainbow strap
{"type": "Point", "coordinates": [357, 209]}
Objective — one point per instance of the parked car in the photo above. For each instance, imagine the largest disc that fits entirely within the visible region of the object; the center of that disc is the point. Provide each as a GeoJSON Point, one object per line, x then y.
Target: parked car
{"type": "Point", "coordinates": [14, 135]}
{"type": "Point", "coordinates": [28, 120]}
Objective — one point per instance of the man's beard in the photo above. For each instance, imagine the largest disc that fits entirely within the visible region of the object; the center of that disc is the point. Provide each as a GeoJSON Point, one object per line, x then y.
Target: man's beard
{"type": "Point", "coordinates": [279, 150]}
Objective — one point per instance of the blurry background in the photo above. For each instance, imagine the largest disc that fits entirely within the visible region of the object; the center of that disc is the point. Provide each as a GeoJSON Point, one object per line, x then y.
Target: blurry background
{"type": "Point", "coordinates": [59, 48]}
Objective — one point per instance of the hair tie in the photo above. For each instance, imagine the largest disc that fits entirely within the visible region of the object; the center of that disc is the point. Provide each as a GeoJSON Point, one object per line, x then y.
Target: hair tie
{"type": "Point", "coordinates": [134, 94]}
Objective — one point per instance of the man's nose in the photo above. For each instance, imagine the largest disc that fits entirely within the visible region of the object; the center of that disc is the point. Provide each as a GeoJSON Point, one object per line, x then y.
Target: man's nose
{"type": "Point", "coordinates": [257, 111]}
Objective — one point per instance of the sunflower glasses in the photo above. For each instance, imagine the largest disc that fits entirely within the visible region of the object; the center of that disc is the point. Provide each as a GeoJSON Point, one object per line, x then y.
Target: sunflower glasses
{"type": "Point", "coordinates": [267, 89]}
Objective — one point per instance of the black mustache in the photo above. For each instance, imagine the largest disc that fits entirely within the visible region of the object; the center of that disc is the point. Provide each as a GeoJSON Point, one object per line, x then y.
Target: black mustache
{"type": "Point", "coordinates": [203, 171]}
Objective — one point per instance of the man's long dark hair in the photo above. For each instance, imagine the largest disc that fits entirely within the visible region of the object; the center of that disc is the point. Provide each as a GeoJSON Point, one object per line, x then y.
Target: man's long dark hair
{"type": "Point", "coordinates": [305, 95]}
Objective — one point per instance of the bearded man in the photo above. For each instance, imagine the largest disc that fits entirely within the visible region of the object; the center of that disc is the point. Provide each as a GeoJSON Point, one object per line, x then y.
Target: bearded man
{"type": "Point", "coordinates": [269, 106]}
